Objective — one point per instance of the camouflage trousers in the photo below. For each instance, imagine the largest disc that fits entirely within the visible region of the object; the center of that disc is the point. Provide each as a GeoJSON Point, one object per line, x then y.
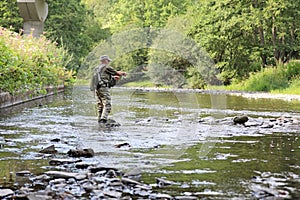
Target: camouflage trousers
{"type": "Point", "coordinates": [103, 102]}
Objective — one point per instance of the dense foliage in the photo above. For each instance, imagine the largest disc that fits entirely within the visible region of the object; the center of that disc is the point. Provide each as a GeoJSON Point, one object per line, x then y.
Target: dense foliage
{"type": "Point", "coordinates": [241, 37]}
{"type": "Point", "coordinates": [72, 26]}
{"type": "Point", "coordinates": [30, 64]}
{"type": "Point", "coordinates": [9, 15]}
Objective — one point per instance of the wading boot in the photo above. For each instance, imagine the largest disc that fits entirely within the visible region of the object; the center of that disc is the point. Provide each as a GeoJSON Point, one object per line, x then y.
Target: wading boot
{"type": "Point", "coordinates": [102, 121]}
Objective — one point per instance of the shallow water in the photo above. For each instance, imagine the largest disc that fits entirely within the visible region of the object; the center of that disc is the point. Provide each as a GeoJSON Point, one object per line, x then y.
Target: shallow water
{"type": "Point", "coordinates": [211, 159]}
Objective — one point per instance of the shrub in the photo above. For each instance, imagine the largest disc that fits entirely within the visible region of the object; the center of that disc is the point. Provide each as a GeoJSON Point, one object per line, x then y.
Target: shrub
{"type": "Point", "coordinates": [30, 64]}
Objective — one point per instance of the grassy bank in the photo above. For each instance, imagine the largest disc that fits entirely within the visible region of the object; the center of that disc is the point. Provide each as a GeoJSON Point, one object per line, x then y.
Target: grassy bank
{"type": "Point", "coordinates": [283, 79]}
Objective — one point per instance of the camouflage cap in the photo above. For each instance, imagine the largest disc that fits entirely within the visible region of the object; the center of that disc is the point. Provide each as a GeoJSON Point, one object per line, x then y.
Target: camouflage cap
{"type": "Point", "coordinates": [105, 57]}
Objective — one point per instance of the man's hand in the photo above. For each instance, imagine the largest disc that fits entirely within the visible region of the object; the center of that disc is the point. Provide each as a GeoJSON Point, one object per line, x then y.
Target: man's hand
{"type": "Point", "coordinates": [120, 73]}
{"type": "Point", "coordinates": [116, 77]}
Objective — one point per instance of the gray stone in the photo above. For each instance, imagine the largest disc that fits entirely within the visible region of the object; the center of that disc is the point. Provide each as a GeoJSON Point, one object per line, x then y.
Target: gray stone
{"type": "Point", "coordinates": [162, 183]}
{"type": "Point", "coordinates": [61, 174]}
{"type": "Point", "coordinates": [128, 181]}
{"type": "Point", "coordinates": [101, 168]}
{"type": "Point", "coordinates": [57, 161]}
{"type": "Point", "coordinates": [267, 126]}
{"type": "Point", "coordinates": [6, 192]}
{"type": "Point", "coordinates": [160, 196]}
{"type": "Point", "coordinates": [113, 194]}
{"type": "Point", "coordinates": [88, 153]}
{"type": "Point", "coordinates": [185, 198]}
{"type": "Point", "coordinates": [23, 173]}
{"type": "Point", "coordinates": [38, 196]}
{"type": "Point", "coordinates": [49, 150]}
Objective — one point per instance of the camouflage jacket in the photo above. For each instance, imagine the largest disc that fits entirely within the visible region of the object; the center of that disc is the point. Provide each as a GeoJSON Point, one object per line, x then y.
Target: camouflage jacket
{"type": "Point", "coordinates": [107, 73]}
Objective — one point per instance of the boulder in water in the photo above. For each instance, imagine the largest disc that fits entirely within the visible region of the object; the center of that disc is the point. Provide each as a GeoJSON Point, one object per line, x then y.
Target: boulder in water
{"type": "Point", "coordinates": [240, 119]}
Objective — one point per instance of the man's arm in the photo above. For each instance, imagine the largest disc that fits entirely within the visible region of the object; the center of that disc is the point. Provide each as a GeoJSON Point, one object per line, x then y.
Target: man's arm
{"type": "Point", "coordinates": [113, 72]}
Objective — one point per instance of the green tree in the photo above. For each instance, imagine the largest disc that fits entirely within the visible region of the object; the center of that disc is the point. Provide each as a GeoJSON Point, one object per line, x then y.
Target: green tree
{"type": "Point", "coordinates": [65, 24]}
{"type": "Point", "coordinates": [238, 34]}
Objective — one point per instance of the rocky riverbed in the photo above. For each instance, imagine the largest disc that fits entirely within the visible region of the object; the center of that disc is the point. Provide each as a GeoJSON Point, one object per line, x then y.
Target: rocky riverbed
{"type": "Point", "coordinates": [69, 177]}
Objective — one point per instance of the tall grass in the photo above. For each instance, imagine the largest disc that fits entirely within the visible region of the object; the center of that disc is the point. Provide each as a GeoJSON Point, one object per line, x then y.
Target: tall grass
{"type": "Point", "coordinates": [280, 79]}
{"type": "Point", "coordinates": [30, 64]}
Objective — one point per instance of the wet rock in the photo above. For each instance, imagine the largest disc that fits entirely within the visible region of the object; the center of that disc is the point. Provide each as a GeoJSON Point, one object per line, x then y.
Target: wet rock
{"type": "Point", "coordinates": [111, 174]}
{"type": "Point", "coordinates": [163, 183]}
{"type": "Point", "coordinates": [240, 119]}
{"type": "Point", "coordinates": [267, 126]}
{"type": "Point", "coordinates": [185, 198]}
{"type": "Point", "coordinates": [128, 181]}
{"type": "Point", "coordinates": [101, 168]}
{"type": "Point", "coordinates": [113, 194]}
{"type": "Point", "coordinates": [39, 196]}
{"type": "Point", "coordinates": [83, 165]}
{"type": "Point", "coordinates": [160, 196]}
{"type": "Point", "coordinates": [126, 144]}
{"type": "Point", "coordinates": [109, 124]}
{"type": "Point", "coordinates": [23, 173]}
{"type": "Point", "coordinates": [134, 174]}
{"type": "Point", "coordinates": [88, 153]}
{"type": "Point", "coordinates": [5, 192]}
{"type": "Point", "coordinates": [57, 161]}
{"type": "Point", "coordinates": [61, 174]}
{"type": "Point", "coordinates": [49, 150]}
{"type": "Point", "coordinates": [55, 140]}
{"type": "Point", "coordinates": [264, 192]}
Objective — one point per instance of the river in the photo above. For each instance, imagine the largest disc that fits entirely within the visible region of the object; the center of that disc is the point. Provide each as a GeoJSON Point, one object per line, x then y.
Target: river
{"type": "Point", "coordinates": [183, 137]}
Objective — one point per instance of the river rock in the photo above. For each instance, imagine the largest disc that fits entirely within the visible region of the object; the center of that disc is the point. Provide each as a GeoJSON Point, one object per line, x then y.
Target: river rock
{"type": "Point", "coordinates": [5, 192]}
{"type": "Point", "coordinates": [162, 183]}
{"type": "Point", "coordinates": [134, 174]}
{"type": "Point", "coordinates": [23, 173]}
{"type": "Point", "coordinates": [49, 150]}
{"type": "Point", "coordinates": [88, 153]}
{"type": "Point", "coordinates": [185, 198]}
{"type": "Point", "coordinates": [55, 140]}
{"type": "Point", "coordinates": [83, 165]}
{"type": "Point", "coordinates": [125, 144]}
{"type": "Point", "coordinates": [267, 125]}
{"type": "Point", "coordinates": [101, 168]}
{"type": "Point", "coordinates": [61, 174]}
{"type": "Point", "coordinates": [240, 119]}
{"type": "Point", "coordinates": [109, 124]}
{"type": "Point", "coordinates": [128, 181]}
{"type": "Point", "coordinates": [58, 161]}
{"type": "Point", "coordinates": [160, 196]}
{"type": "Point", "coordinates": [113, 194]}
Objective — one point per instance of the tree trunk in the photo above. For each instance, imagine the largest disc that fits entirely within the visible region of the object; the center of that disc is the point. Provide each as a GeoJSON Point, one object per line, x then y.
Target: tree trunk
{"type": "Point", "coordinates": [261, 38]}
{"type": "Point", "coordinates": [274, 40]}
{"type": "Point", "coordinates": [262, 44]}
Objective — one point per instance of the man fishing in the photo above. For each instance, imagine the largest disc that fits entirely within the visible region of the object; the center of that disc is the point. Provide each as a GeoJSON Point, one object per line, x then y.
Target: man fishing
{"type": "Point", "coordinates": [107, 78]}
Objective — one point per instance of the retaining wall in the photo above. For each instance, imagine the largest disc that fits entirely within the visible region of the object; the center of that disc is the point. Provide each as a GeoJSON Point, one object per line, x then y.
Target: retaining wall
{"type": "Point", "coordinates": [7, 100]}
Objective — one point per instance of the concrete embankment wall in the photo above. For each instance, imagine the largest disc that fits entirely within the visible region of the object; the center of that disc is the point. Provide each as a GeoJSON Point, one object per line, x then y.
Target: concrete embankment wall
{"type": "Point", "coordinates": [7, 100]}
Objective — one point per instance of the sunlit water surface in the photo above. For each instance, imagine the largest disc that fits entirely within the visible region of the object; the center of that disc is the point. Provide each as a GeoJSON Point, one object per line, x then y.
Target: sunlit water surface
{"type": "Point", "coordinates": [177, 136]}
